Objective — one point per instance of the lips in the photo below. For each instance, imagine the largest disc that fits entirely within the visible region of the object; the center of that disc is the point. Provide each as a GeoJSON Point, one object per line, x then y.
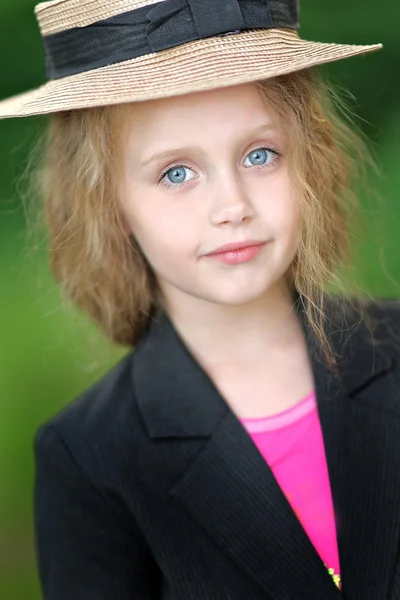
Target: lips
{"type": "Point", "coordinates": [235, 246]}
{"type": "Point", "coordinates": [238, 252]}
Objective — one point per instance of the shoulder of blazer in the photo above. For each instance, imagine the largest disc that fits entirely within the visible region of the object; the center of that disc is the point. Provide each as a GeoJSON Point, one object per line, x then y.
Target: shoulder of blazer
{"type": "Point", "coordinates": [380, 327]}
{"type": "Point", "coordinates": [369, 322]}
{"type": "Point", "coordinates": [383, 314]}
{"type": "Point", "coordinates": [386, 319]}
{"type": "Point", "coordinates": [102, 423]}
{"type": "Point", "coordinates": [374, 351]}
{"type": "Point", "coordinates": [378, 332]}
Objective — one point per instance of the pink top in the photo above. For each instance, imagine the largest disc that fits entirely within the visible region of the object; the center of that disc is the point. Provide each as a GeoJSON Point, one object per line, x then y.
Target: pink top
{"type": "Point", "coordinates": [292, 444]}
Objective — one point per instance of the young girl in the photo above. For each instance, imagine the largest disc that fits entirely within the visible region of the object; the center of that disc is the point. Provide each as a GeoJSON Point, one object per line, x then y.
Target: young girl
{"type": "Point", "coordinates": [197, 193]}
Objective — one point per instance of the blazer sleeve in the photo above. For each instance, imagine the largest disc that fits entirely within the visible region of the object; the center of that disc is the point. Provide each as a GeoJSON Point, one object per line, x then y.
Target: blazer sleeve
{"type": "Point", "coordinates": [87, 547]}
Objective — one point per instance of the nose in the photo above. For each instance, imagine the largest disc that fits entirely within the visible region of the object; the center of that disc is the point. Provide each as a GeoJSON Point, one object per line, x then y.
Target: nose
{"type": "Point", "coordinates": [231, 202]}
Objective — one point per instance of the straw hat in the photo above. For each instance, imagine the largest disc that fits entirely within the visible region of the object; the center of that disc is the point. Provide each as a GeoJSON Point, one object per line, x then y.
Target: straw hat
{"type": "Point", "coordinates": [102, 52]}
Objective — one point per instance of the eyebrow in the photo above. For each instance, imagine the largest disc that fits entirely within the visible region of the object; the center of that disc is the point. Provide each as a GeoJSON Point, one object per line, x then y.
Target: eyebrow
{"type": "Point", "coordinates": [165, 154]}
{"type": "Point", "coordinates": [159, 156]}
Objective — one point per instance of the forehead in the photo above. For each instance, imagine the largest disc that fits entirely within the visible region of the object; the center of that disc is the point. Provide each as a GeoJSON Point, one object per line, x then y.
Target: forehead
{"type": "Point", "coordinates": [231, 108]}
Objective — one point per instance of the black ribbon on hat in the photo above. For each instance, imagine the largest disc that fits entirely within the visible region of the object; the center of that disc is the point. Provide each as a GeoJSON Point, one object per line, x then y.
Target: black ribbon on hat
{"type": "Point", "coordinates": [157, 27]}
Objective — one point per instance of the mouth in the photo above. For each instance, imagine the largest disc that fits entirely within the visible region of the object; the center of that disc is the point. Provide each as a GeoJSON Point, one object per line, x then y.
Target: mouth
{"type": "Point", "coordinates": [236, 246]}
{"type": "Point", "coordinates": [238, 252]}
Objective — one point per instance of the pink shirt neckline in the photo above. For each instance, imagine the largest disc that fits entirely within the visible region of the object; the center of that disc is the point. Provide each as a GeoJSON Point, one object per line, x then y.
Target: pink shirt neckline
{"type": "Point", "coordinates": [282, 419]}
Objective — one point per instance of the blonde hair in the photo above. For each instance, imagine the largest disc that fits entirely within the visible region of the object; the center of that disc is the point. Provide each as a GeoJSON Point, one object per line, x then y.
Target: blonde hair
{"type": "Point", "coordinates": [101, 269]}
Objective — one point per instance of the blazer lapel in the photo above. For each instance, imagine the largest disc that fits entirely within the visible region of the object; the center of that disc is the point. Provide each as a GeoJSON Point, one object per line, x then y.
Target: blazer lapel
{"type": "Point", "coordinates": [230, 490]}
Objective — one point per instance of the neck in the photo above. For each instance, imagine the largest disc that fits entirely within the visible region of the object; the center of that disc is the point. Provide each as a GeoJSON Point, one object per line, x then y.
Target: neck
{"type": "Point", "coordinates": [221, 334]}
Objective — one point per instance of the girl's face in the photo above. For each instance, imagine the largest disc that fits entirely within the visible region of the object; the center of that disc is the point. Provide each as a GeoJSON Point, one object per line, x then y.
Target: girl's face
{"type": "Point", "coordinates": [202, 171]}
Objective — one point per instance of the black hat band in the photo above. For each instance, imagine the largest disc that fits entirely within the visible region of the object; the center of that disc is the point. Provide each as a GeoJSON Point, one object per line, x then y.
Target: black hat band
{"type": "Point", "coordinates": [158, 27]}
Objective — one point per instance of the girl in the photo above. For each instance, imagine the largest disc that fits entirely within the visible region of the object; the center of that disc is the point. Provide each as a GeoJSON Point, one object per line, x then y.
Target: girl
{"type": "Point", "coordinates": [197, 194]}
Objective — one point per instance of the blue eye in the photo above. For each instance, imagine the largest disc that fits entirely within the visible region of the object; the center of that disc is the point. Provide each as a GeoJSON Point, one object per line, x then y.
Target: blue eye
{"type": "Point", "coordinates": [176, 176]}
{"type": "Point", "coordinates": [261, 157]}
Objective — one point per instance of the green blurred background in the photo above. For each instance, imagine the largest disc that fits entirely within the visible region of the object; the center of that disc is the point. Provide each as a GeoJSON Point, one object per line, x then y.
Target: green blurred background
{"type": "Point", "coordinates": [49, 355]}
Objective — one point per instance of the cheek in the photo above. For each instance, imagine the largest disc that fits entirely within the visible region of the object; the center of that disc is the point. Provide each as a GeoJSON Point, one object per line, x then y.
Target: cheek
{"type": "Point", "coordinates": [280, 207]}
{"type": "Point", "coordinates": [290, 215]}
{"type": "Point", "coordinates": [291, 226]}
{"type": "Point", "coordinates": [160, 228]}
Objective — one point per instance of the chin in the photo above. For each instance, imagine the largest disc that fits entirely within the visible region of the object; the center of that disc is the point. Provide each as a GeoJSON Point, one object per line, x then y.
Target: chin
{"type": "Point", "coordinates": [237, 297]}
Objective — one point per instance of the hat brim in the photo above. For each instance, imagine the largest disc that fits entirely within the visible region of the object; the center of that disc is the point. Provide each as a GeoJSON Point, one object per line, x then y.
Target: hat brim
{"type": "Point", "coordinates": [197, 66]}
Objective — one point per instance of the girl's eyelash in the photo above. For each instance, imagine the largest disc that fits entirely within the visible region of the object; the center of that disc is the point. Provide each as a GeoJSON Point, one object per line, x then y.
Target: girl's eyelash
{"type": "Point", "coordinates": [269, 148]}
{"type": "Point", "coordinates": [181, 166]}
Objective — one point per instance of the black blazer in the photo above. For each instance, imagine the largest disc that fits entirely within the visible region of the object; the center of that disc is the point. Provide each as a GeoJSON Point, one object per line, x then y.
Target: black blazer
{"type": "Point", "coordinates": [149, 488]}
